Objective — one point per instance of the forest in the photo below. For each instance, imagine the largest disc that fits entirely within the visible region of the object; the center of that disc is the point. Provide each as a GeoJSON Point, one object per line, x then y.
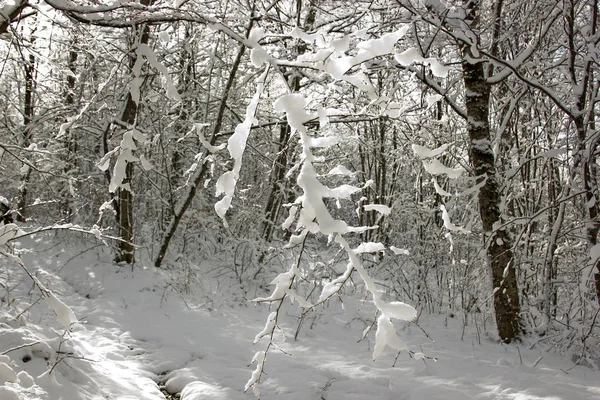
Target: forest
{"type": "Point", "coordinates": [405, 162]}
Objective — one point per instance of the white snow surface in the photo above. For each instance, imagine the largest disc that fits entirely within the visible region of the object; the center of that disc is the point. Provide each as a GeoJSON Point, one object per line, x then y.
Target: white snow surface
{"type": "Point", "coordinates": [423, 152]}
{"type": "Point", "coordinates": [136, 331]}
{"type": "Point", "coordinates": [412, 55]}
{"type": "Point", "coordinates": [341, 170]}
{"type": "Point", "coordinates": [236, 144]}
{"type": "Point", "coordinates": [439, 190]}
{"type": "Point", "coordinates": [368, 49]}
{"type": "Point", "coordinates": [8, 232]}
{"type": "Point", "coordinates": [435, 167]}
{"type": "Point", "coordinates": [380, 208]}
{"type": "Point", "coordinates": [448, 224]}
{"type": "Point", "coordinates": [397, 251]}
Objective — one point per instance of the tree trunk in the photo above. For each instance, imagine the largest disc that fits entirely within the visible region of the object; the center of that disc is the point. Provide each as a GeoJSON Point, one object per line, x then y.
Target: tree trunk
{"type": "Point", "coordinates": [70, 138]}
{"type": "Point", "coordinates": [586, 157]}
{"type": "Point", "coordinates": [125, 247]}
{"type": "Point", "coordinates": [499, 253]}
{"type": "Point", "coordinates": [27, 133]}
{"type": "Point", "coordinates": [278, 186]}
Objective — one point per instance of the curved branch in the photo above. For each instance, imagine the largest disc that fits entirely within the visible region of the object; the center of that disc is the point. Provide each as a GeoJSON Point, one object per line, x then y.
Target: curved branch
{"type": "Point", "coordinates": [432, 84]}
{"type": "Point", "coordinates": [10, 12]}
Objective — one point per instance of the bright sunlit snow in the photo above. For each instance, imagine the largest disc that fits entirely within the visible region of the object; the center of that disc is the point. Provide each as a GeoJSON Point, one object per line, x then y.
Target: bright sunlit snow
{"type": "Point", "coordinates": [135, 332]}
{"type": "Point", "coordinates": [424, 153]}
{"type": "Point", "coordinates": [435, 167]}
{"type": "Point", "coordinates": [299, 200]}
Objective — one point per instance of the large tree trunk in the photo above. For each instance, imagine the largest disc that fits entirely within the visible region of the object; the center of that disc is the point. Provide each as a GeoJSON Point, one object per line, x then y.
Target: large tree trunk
{"type": "Point", "coordinates": [499, 243]}
{"type": "Point", "coordinates": [124, 200]}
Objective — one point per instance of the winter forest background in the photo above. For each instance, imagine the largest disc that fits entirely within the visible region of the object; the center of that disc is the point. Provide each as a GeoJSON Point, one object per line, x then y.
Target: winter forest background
{"type": "Point", "coordinates": [427, 159]}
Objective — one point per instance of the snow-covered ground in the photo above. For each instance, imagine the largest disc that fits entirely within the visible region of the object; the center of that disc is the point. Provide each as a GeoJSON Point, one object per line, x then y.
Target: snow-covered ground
{"type": "Point", "coordinates": [138, 332]}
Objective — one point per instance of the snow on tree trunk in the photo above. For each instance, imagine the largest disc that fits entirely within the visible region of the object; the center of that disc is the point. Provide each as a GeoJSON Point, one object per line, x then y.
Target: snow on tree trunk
{"type": "Point", "coordinates": [125, 247]}
{"type": "Point", "coordinates": [28, 111]}
{"type": "Point", "coordinates": [498, 241]}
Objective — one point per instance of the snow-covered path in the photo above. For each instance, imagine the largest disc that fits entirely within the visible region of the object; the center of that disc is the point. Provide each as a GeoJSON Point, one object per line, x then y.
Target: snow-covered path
{"type": "Point", "coordinates": [137, 330]}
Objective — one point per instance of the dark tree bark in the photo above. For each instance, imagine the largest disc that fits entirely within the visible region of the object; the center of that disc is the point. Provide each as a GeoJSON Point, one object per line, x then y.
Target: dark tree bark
{"type": "Point", "coordinates": [278, 186]}
{"type": "Point", "coordinates": [582, 82]}
{"type": "Point", "coordinates": [124, 199]}
{"type": "Point", "coordinates": [499, 253]}
{"type": "Point", "coordinates": [28, 111]}
{"type": "Point", "coordinates": [11, 13]}
{"type": "Point", "coordinates": [70, 136]}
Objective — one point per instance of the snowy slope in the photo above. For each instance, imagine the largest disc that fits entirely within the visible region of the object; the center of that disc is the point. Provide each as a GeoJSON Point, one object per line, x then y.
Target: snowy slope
{"type": "Point", "coordinates": [137, 330]}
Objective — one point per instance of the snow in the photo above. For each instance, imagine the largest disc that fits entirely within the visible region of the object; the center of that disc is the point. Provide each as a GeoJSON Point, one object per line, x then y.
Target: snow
{"type": "Point", "coordinates": [137, 331]}
{"type": "Point", "coordinates": [369, 247]}
{"type": "Point", "coordinates": [199, 390]}
{"type": "Point", "coordinates": [211, 149]}
{"type": "Point", "coordinates": [362, 82]}
{"type": "Point", "coordinates": [386, 336]}
{"type": "Point", "coordinates": [236, 145]}
{"type": "Point", "coordinates": [8, 232]}
{"type": "Point", "coordinates": [314, 215]}
{"type": "Point", "coordinates": [439, 190]}
{"type": "Point", "coordinates": [398, 310]}
{"type": "Point", "coordinates": [341, 192]}
{"type": "Point", "coordinates": [448, 223]}
{"type": "Point", "coordinates": [367, 49]}
{"type": "Point", "coordinates": [432, 99]}
{"type": "Point", "coordinates": [330, 288]}
{"type": "Point", "coordinates": [258, 55]}
{"type": "Point", "coordinates": [475, 188]}
{"type": "Point", "coordinates": [144, 51]}
{"type": "Point", "coordinates": [554, 152]}
{"type": "Point", "coordinates": [146, 165]}
{"type": "Point", "coordinates": [64, 315]}
{"type": "Point", "coordinates": [259, 360]}
{"type": "Point", "coordinates": [323, 141]}
{"type": "Point", "coordinates": [298, 33]}
{"type": "Point", "coordinates": [397, 251]}
{"type": "Point", "coordinates": [119, 171]}
{"type": "Point", "coordinates": [424, 153]}
{"type": "Point", "coordinates": [8, 393]}
{"type": "Point", "coordinates": [7, 374]}
{"type": "Point", "coordinates": [412, 55]}
{"type": "Point", "coordinates": [340, 170]}
{"type": "Point", "coordinates": [435, 167]}
{"type": "Point", "coordinates": [293, 106]}
{"type": "Point", "coordinates": [380, 208]}
{"type": "Point", "coordinates": [291, 217]}
{"type": "Point", "coordinates": [164, 36]}
{"type": "Point", "coordinates": [25, 380]}
{"type": "Point", "coordinates": [270, 325]}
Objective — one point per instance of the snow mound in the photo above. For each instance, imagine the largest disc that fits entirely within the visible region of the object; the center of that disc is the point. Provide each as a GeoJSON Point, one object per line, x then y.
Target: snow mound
{"type": "Point", "coordinates": [198, 390]}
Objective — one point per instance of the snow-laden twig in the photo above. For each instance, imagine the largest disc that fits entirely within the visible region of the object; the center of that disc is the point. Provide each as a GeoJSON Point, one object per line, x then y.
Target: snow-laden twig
{"type": "Point", "coordinates": [282, 290]}
{"type": "Point", "coordinates": [64, 314]}
{"type": "Point", "coordinates": [236, 145]}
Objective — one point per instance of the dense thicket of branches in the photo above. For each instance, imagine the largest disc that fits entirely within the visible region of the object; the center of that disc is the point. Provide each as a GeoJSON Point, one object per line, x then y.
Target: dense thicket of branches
{"type": "Point", "coordinates": [113, 114]}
